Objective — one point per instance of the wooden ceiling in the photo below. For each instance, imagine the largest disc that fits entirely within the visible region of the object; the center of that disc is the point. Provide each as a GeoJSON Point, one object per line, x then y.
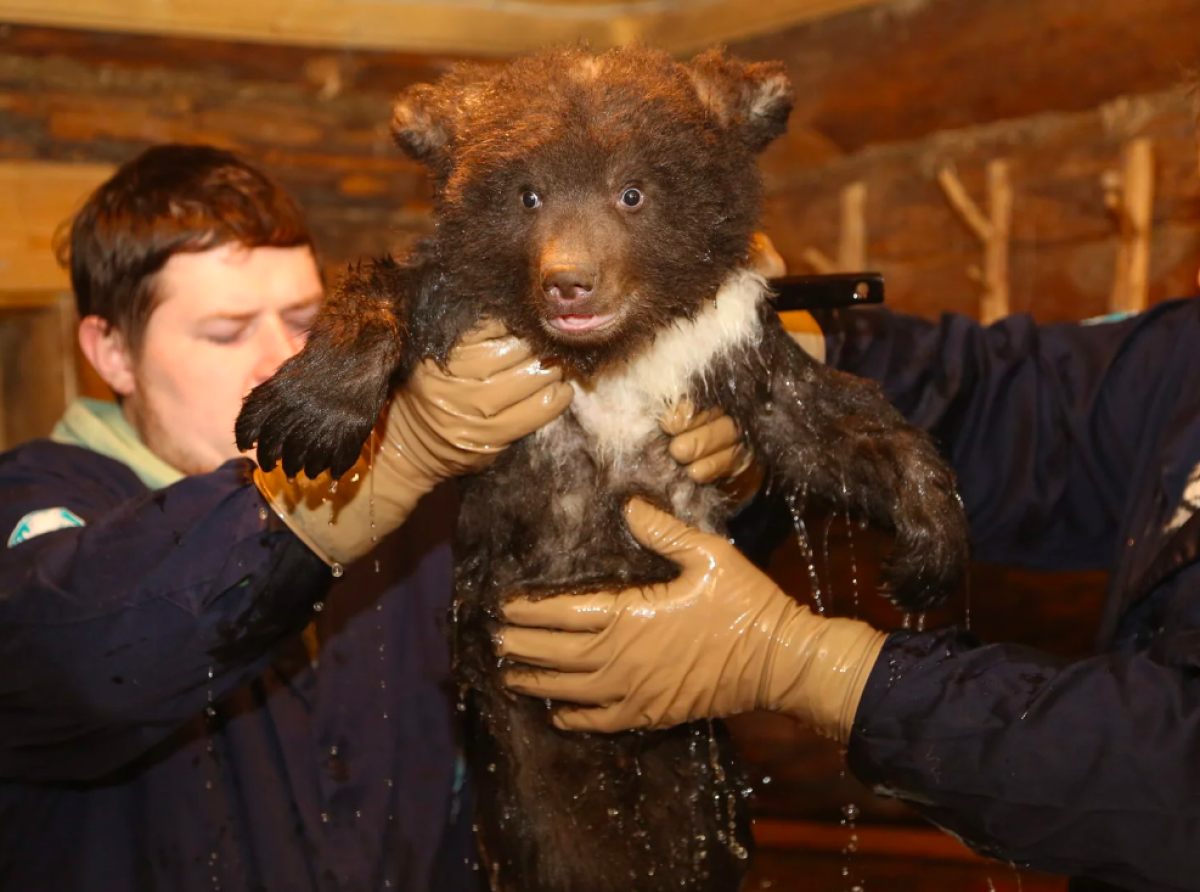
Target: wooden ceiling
{"type": "Point", "coordinates": [466, 27]}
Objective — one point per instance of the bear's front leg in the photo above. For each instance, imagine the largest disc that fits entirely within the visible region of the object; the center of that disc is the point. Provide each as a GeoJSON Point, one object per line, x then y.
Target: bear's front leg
{"type": "Point", "coordinates": [316, 412]}
{"type": "Point", "coordinates": [825, 434]}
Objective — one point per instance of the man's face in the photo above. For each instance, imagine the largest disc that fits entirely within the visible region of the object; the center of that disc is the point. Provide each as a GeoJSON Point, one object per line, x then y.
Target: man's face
{"type": "Point", "coordinates": [224, 322]}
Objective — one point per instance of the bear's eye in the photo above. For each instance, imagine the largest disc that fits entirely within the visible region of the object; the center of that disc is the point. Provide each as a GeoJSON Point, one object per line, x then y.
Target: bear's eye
{"type": "Point", "coordinates": [632, 198]}
{"type": "Point", "coordinates": [531, 199]}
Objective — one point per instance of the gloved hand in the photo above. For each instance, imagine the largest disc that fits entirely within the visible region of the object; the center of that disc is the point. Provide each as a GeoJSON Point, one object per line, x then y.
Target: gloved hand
{"type": "Point", "coordinates": [708, 443]}
{"type": "Point", "coordinates": [719, 640]}
{"type": "Point", "coordinates": [441, 424]}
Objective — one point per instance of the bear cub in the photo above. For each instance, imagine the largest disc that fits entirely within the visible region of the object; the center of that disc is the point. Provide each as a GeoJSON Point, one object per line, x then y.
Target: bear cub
{"type": "Point", "coordinates": [602, 207]}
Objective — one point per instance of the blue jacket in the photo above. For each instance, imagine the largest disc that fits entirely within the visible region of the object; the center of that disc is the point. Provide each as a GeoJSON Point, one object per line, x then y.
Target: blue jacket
{"type": "Point", "coordinates": [1073, 444]}
{"type": "Point", "coordinates": [163, 725]}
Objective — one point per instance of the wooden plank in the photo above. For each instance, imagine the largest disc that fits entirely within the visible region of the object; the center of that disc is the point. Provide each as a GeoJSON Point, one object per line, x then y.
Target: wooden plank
{"type": "Point", "coordinates": [910, 842]}
{"type": "Point", "coordinates": [496, 28]}
{"type": "Point", "coordinates": [37, 366]}
{"type": "Point", "coordinates": [785, 870]}
{"type": "Point", "coordinates": [35, 199]}
{"type": "Point", "coordinates": [903, 71]}
{"type": "Point", "coordinates": [357, 70]}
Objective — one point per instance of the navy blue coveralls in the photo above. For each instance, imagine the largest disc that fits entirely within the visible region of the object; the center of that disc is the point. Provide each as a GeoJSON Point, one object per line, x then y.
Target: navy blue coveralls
{"type": "Point", "coordinates": [1073, 445]}
{"type": "Point", "coordinates": [316, 770]}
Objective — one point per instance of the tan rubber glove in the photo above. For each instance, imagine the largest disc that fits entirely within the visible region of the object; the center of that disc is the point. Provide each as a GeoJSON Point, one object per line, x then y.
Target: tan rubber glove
{"type": "Point", "coordinates": [708, 443]}
{"type": "Point", "coordinates": [441, 424]}
{"type": "Point", "coordinates": [719, 640]}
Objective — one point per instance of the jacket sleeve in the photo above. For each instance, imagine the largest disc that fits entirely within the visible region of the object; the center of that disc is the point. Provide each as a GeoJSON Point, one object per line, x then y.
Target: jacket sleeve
{"type": "Point", "coordinates": [115, 633]}
{"type": "Point", "coordinates": [1043, 424]}
{"type": "Point", "coordinates": [1083, 768]}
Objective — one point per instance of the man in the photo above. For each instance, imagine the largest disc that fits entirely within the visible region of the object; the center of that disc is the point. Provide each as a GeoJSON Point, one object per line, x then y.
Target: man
{"type": "Point", "coordinates": [188, 701]}
{"type": "Point", "coordinates": [1077, 446]}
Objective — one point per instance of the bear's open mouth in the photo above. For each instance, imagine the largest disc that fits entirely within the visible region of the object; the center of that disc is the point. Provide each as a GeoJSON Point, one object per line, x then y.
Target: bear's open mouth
{"type": "Point", "coordinates": [574, 323]}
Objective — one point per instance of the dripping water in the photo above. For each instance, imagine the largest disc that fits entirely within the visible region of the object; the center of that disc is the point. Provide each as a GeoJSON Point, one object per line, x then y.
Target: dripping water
{"type": "Point", "coordinates": [797, 511]}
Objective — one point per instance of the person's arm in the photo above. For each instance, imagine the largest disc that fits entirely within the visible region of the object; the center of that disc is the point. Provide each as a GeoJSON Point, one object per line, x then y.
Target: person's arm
{"type": "Point", "coordinates": [1087, 768]}
{"type": "Point", "coordinates": [115, 633]}
{"type": "Point", "coordinates": [1082, 768]}
{"type": "Point", "coordinates": [1043, 424]}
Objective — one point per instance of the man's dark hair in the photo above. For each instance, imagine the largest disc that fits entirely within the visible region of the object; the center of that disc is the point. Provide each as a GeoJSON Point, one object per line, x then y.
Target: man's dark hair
{"type": "Point", "coordinates": [170, 199]}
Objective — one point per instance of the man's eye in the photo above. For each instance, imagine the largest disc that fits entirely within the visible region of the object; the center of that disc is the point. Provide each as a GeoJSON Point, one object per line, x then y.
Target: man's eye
{"type": "Point", "coordinates": [224, 336]}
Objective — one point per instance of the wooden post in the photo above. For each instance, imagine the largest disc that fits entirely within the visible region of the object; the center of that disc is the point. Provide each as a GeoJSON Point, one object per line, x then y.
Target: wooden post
{"type": "Point", "coordinates": [993, 230]}
{"type": "Point", "coordinates": [1129, 194]}
{"type": "Point", "coordinates": [852, 239]}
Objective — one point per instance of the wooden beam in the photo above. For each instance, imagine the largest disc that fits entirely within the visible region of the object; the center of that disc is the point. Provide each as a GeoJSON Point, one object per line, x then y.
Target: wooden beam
{"type": "Point", "coordinates": [902, 71]}
{"type": "Point", "coordinates": [1129, 194]}
{"type": "Point", "coordinates": [495, 27]}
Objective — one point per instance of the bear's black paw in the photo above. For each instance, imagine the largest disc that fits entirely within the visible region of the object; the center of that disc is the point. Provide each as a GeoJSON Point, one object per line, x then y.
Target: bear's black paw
{"type": "Point", "coordinates": [313, 416]}
{"type": "Point", "coordinates": [928, 563]}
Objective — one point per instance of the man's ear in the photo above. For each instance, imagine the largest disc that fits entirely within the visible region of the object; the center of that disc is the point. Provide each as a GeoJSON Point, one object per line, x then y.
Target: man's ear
{"type": "Point", "coordinates": [107, 350]}
{"type": "Point", "coordinates": [753, 98]}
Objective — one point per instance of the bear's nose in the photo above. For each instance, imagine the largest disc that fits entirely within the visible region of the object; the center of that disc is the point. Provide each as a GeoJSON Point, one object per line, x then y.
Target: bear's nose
{"type": "Point", "coordinates": [568, 281]}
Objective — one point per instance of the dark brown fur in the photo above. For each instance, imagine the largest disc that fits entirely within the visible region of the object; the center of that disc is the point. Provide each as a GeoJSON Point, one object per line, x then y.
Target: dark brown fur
{"type": "Point", "coordinates": [595, 813]}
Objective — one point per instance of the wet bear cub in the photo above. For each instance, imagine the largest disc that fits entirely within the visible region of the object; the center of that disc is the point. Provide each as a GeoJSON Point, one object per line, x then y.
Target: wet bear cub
{"type": "Point", "coordinates": [602, 207]}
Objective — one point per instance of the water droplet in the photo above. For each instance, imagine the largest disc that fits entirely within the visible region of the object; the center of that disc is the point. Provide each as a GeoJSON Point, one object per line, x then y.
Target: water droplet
{"type": "Point", "coordinates": [318, 606]}
{"type": "Point", "coordinates": [333, 751]}
{"type": "Point", "coordinates": [851, 811]}
{"type": "Point", "coordinates": [766, 780]}
{"type": "Point", "coordinates": [377, 565]}
{"type": "Point", "coordinates": [208, 785]}
{"type": "Point", "coordinates": [337, 570]}
{"type": "Point", "coordinates": [612, 812]}
{"type": "Point", "coordinates": [262, 514]}
{"type": "Point", "coordinates": [324, 818]}
{"type": "Point", "coordinates": [491, 768]}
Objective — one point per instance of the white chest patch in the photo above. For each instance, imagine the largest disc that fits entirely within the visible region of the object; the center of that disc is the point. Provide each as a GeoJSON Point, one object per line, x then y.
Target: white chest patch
{"type": "Point", "coordinates": [621, 408]}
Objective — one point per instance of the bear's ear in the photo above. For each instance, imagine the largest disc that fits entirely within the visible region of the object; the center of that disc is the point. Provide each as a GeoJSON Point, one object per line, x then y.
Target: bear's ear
{"type": "Point", "coordinates": [419, 125]}
{"type": "Point", "coordinates": [754, 98]}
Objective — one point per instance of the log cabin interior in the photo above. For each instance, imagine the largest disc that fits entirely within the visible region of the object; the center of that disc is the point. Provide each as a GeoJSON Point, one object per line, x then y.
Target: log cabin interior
{"type": "Point", "coordinates": [987, 156]}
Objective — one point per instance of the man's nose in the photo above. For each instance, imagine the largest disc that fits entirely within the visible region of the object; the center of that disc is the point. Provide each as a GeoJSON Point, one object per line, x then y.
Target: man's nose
{"type": "Point", "coordinates": [276, 344]}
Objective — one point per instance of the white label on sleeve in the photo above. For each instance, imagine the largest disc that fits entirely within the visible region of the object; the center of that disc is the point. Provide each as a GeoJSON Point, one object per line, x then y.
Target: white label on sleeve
{"type": "Point", "coordinates": [46, 520]}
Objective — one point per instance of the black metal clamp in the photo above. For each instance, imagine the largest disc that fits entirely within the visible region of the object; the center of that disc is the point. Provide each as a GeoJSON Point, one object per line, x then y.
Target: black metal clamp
{"type": "Point", "coordinates": [832, 291]}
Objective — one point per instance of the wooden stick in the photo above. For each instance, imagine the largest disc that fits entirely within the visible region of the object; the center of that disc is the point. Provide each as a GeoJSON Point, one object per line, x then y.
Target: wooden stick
{"type": "Point", "coordinates": [995, 263]}
{"type": "Point", "coordinates": [994, 230]}
{"type": "Point", "coordinates": [818, 261]}
{"type": "Point", "coordinates": [961, 201]}
{"type": "Point", "coordinates": [852, 237]}
{"type": "Point", "coordinates": [1130, 196]}
{"type": "Point", "coordinates": [852, 247]}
